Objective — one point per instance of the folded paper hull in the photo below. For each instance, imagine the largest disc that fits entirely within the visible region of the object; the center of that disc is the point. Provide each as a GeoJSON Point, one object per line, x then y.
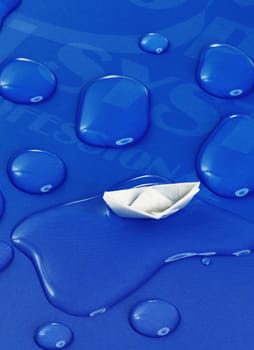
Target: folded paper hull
{"type": "Point", "coordinates": [151, 202]}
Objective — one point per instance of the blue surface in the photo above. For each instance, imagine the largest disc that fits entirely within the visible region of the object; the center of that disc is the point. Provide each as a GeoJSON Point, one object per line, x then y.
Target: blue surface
{"type": "Point", "coordinates": [2, 205]}
{"type": "Point", "coordinates": [80, 43]}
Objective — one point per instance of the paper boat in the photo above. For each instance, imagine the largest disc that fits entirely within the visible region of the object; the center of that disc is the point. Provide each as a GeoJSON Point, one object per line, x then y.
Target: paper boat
{"type": "Point", "coordinates": [151, 202]}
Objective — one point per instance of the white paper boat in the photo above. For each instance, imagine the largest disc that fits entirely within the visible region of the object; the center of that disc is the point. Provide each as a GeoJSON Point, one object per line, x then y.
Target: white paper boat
{"type": "Point", "coordinates": [151, 202]}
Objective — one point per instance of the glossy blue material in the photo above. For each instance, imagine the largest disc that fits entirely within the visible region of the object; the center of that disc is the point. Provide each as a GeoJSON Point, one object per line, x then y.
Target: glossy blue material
{"type": "Point", "coordinates": [226, 160]}
{"type": "Point", "coordinates": [2, 205]}
{"type": "Point", "coordinates": [36, 171]}
{"type": "Point", "coordinates": [6, 7]}
{"type": "Point", "coordinates": [81, 41]}
{"type": "Point", "coordinates": [26, 81]}
{"type": "Point", "coordinates": [154, 43]}
{"type": "Point", "coordinates": [113, 112]}
{"type": "Point", "coordinates": [225, 71]}
{"type": "Point", "coordinates": [114, 256]}
{"type": "Point", "coordinates": [154, 318]}
{"type": "Point", "coordinates": [6, 255]}
{"type": "Point", "coordinates": [53, 336]}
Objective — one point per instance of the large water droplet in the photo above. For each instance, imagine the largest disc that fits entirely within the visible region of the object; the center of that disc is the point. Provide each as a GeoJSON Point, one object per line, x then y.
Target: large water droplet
{"type": "Point", "coordinates": [114, 112]}
{"type": "Point", "coordinates": [154, 43]}
{"type": "Point", "coordinates": [6, 7]}
{"type": "Point", "coordinates": [53, 336]}
{"type": "Point", "coordinates": [36, 171]}
{"type": "Point", "coordinates": [154, 318]}
{"type": "Point", "coordinates": [87, 231]}
{"type": "Point", "coordinates": [225, 71]}
{"type": "Point", "coordinates": [226, 161]}
{"type": "Point", "coordinates": [26, 81]}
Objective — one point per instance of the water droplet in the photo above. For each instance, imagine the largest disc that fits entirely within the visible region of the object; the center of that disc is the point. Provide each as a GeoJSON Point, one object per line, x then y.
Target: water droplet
{"type": "Point", "coordinates": [7, 7]}
{"type": "Point", "coordinates": [53, 336]}
{"type": "Point", "coordinates": [226, 160]}
{"type": "Point", "coordinates": [114, 111]}
{"type": "Point", "coordinates": [6, 255]}
{"type": "Point", "coordinates": [225, 71]}
{"type": "Point", "coordinates": [154, 43]}
{"type": "Point", "coordinates": [36, 171]}
{"type": "Point", "coordinates": [51, 235]}
{"type": "Point", "coordinates": [26, 81]}
{"type": "Point", "coordinates": [154, 318]}
{"type": "Point", "coordinates": [206, 261]}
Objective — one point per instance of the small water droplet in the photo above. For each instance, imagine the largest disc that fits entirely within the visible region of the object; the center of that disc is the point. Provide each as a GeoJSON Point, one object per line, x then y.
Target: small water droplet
{"type": "Point", "coordinates": [154, 318]}
{"type": "Point", "coordinates": [26, 81]}
{"type": "Point", "coordinates": [30, 170]}
{"type": "Point", "coordinates": [154, 43]}
{"type": "Point", "coordinates": [53, 336]}
{"type": "Point", "coordinates": [206, 261]}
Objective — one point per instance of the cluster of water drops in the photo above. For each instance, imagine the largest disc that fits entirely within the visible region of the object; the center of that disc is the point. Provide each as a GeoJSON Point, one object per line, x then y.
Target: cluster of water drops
{"type": "Point", "coordinates": [114, 112]}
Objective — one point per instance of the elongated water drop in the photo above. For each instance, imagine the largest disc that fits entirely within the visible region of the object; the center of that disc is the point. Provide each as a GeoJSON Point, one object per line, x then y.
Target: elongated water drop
{"type": "Point", "coordinates": [226, 160]}
{"type": "Point", "coordinates": [225, 71]}
{"type": "Point", "coordinates": [113, 112]}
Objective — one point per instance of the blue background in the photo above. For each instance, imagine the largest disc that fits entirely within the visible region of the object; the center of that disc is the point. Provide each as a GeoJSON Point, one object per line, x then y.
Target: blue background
{"type": "Point", "coordinates": [81, 41]}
